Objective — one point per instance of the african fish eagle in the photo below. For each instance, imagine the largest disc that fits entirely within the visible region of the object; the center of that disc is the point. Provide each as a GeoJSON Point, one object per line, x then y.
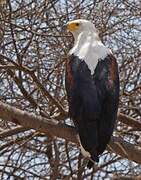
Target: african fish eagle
{"type": "Point", "coordinates": [92, 85]}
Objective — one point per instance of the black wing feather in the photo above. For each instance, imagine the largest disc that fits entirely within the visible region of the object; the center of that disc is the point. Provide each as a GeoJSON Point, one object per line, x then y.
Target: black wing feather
{"type": "Point", "coordinates": [93, 101]}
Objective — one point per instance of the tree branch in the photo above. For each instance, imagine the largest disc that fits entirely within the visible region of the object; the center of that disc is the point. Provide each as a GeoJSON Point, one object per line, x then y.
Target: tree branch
{"type": "Point", "coordinates": [53, 128]}
{"type": "Point", "coordinates": [10, 132]}
{"type": "Point", "coordinates": [129, 121]}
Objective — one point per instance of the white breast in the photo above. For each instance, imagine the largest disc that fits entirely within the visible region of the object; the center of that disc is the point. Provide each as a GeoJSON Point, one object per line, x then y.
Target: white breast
{"type": "Point", "coordinates": [90, 50]}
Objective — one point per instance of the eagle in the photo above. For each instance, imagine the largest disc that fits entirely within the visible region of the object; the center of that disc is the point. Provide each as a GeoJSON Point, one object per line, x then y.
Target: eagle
{"type": "Point", "coordinates": [92, 86]}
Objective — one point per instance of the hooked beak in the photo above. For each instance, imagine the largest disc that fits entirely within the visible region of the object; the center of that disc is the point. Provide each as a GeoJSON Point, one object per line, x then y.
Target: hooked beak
{"type": "Point", "coordinates": [71, 26]}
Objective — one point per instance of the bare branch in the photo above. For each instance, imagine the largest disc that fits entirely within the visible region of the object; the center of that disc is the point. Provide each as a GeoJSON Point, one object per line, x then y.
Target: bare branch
{"type": "Point", "coordinates": [129, 121]}
{"type": "Point", "coordinates": [51, 127]}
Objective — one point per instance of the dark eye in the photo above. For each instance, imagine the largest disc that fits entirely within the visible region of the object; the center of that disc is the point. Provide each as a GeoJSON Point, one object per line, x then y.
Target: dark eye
{"type": "Point", "coordinates": [77, 24]}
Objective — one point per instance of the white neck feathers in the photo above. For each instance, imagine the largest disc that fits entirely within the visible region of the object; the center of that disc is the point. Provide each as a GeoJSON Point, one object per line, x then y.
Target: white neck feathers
{"type": "Point", "coordinates": [89, 48]}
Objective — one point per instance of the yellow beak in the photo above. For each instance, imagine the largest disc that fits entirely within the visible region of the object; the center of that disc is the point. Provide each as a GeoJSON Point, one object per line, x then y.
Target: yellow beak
{"type": "Point", "coordinates": [71, 26]}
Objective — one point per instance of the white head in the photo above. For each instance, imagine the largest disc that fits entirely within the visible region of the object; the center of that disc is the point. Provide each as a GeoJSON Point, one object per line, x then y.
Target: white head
{"type": "Point", "coordinates": [87, 44]}
{"type": "Point", "coordinates": [79, 26]}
